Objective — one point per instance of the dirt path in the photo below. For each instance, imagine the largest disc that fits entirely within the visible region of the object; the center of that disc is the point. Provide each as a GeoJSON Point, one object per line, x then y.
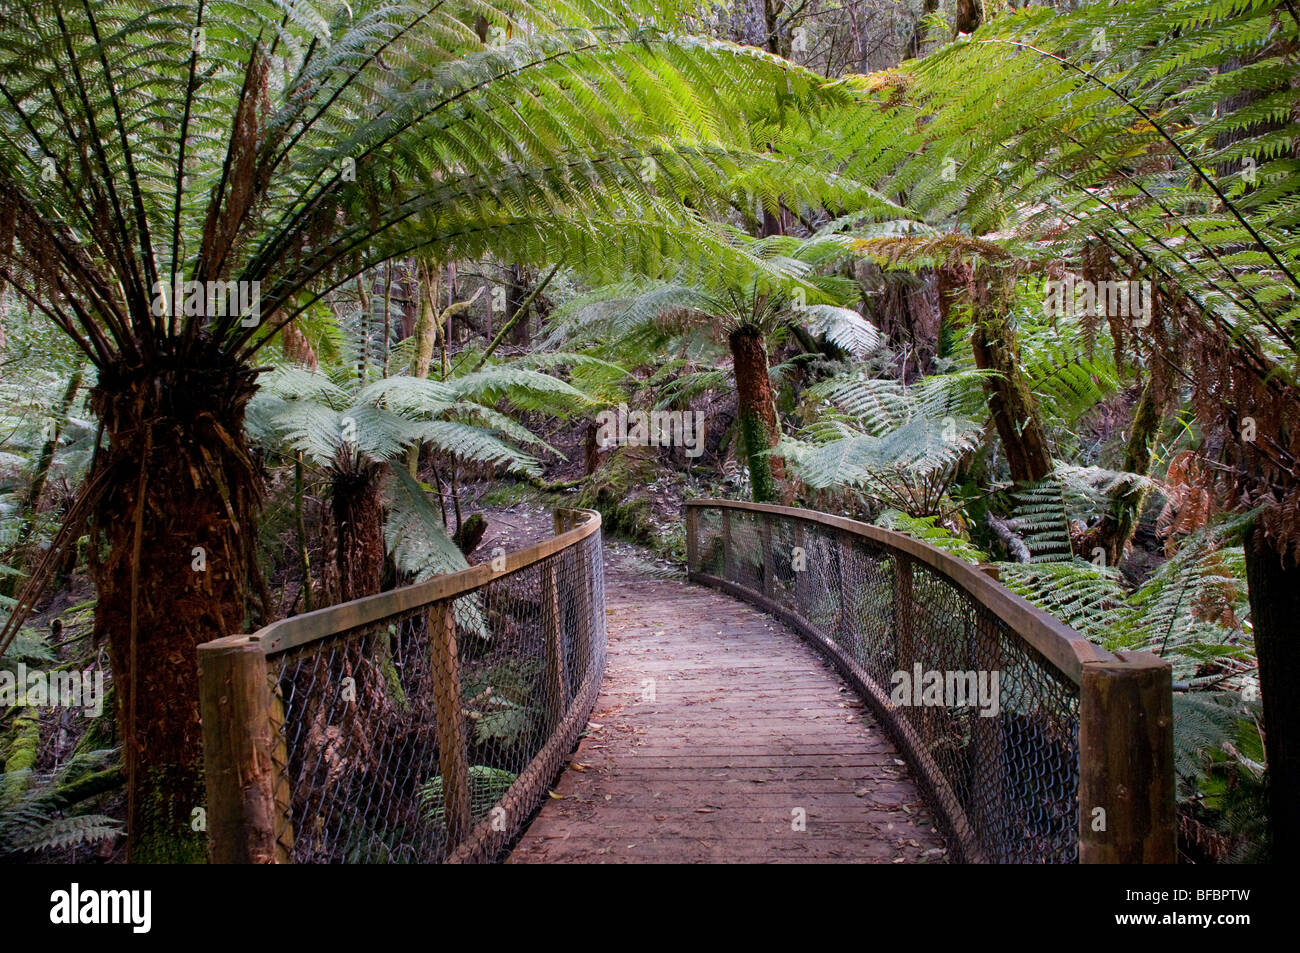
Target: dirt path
{"type": "Point", "coordinates": [718, 734]}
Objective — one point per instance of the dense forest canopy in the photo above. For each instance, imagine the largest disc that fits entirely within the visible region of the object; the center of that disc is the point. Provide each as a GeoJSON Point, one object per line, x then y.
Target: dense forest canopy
{"type": "Point", "coordinates": [294, 293]}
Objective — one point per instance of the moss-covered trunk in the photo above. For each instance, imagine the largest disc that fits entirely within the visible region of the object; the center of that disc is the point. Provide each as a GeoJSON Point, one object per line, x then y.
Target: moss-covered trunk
{"type": "Point", "coordinates": [756, 411]}
{"type": "Point", "coordinates": [176, 523]}
{"type": "Point", "coordinates": [1010, 403]}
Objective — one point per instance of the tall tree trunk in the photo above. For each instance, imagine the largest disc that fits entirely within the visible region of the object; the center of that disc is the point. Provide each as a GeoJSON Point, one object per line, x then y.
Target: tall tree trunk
{"type": "Point", "coordinates": [773, 41]}
{"type": "Point", "coordinates": [1274, 583]}
{"type": "Point", "coordinates": [426, 338]}
{"type": "Point", "coordinates": [918, 30]}
{"type": "Point", "coordinates": [590, 449]}
{"type": "Point", "coordinates": [517, 300]}
{"type": "Point", "coordinates": [757, 411]}
{"type": "Point", "coordinates": [177, 517]}
{"type": "Point", "coordinates": [1010, 403]}
{"type": "Point", "coordinates": [358, 516]}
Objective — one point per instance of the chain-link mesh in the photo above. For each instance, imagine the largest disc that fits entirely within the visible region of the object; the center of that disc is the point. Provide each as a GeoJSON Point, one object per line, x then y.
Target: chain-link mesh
{"type": "Point", "coordinates": [1002, 775]}
{"type": "Point", "coordinates": [377, 762]}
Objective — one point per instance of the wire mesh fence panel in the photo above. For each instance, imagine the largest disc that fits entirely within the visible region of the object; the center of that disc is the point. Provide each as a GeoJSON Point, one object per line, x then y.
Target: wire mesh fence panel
{"type": "Point", "coordinates": [990, 725]}
{"type": "Point", "coordinates": [359, 739]}
{"type": "Point", "coordinates": [430, 732]}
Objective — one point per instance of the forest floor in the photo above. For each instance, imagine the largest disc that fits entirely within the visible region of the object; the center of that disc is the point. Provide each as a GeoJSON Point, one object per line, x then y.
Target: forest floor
{"type": "Point", "coordinates": [718, 736]}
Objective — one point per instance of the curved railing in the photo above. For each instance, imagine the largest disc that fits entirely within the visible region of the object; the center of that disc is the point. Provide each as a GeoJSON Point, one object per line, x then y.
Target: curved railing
{"type": "Point", "coordinates": [1031, 743]}
{"type": "Point", "coordinates": [418, 725]}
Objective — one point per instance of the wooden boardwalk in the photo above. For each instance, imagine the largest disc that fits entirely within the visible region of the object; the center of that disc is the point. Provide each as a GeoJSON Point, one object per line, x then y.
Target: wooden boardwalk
{"type": "Point", "coordinates": [717, 732]}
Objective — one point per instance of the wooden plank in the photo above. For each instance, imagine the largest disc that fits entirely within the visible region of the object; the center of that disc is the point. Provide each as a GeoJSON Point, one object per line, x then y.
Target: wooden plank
{"type": "Point", "coordinates": [713, 767]}
{"type": "Point", "coordinates": [942, 798]}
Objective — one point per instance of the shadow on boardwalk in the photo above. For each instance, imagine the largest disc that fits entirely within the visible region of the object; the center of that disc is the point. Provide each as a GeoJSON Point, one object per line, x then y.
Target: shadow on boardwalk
{"type": "Point", "coordinates": [717, 731]}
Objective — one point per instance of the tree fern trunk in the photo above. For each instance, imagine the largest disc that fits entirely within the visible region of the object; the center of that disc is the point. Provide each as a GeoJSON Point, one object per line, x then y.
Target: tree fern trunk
{"type": "Point", "coordinates": [178, 523]}
{"type": "Point", "coordinates": [756, 410]}
{"type": "Point", "coordinates": [1010, 403]}
{"type": "Point", "coordinates": [359, 530]}
{"type": "Point", "coordinates": [1274, 582]}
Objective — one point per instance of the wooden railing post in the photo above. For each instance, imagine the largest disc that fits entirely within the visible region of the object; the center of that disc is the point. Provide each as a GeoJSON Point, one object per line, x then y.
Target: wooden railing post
{"type": "Point", "coordinates": [1126, 762]}
{"type": "Point", "coordinates": [984, 643]}
{"type": "Point", "coordinates": [726, 544]}
{"type": "Point", "coordinates": [904, 615]}
{"type": "Point", "coordinates": [799, 567]}
{"type": "Point", "coordinates": [589, 618]}
{"type": "Point", "coordinates": [692, 539]}
{"type": "Point", "coordinates": [452, 756]}
{"type": "Point", "coordinates": [281, 790]}
{"type": "Point", "coordinates": [765, 539]}
{"type": "Point", "coordinates": [846, 621]}
{"type": "Point", "coordinates": [552, 629]}
{"type": "Point", "coordinates": [240, 776]}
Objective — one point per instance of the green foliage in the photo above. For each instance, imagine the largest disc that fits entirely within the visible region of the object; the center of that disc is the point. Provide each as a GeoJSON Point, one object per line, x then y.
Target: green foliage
{"type": "Point", "coordinates": [901, 444]}
{"type": "Point", "coordinates": [1190, 610]}
{"type": "Point", "coordinates": [1090, 599]}
{"type": "Point", "coordinates": [366, 131]}
{"type": "Point", "coordinates": [501, 703]}
{"type": "Point", "coordinates": [338, 426]}
{"type": "Point", "coordinates": [1218, 761]}
{"type": "Point", "coordinates": [41, 811]}
{"type": "Point", "coordinates": [1046, 513]}
{"type": "Point", "coordinates": [928, 529]}
{"type": "Point", "coordinates": [1159, 129]}
{"type": "Point", "coordinates": [487, 785]}
{"type": "Point", "coordinates": [414, 532]}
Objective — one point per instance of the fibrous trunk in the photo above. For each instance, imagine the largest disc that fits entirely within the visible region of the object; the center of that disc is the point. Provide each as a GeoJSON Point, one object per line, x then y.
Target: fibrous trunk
{"type": "Point", "coordinates": [358, 516]}
{"type": "Point", "coordinates": [757, 411]}
{"type": "Point", "coordinates": [176, 521]}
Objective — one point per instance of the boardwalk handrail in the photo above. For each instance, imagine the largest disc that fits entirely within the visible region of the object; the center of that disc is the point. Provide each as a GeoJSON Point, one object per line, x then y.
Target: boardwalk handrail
{"type": "Point", "coordinates": [418, 725]}
{"type": "Point", "coordinates": [1063, 752]}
